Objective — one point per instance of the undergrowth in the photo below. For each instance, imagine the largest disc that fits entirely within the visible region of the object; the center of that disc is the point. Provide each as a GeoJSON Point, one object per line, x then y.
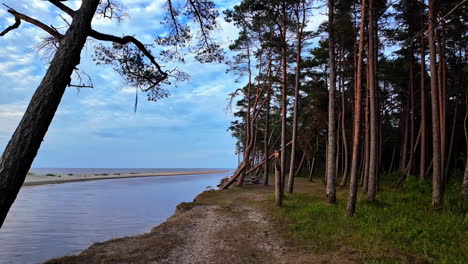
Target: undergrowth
{"type": "Point", "coordinates": [399, 227]}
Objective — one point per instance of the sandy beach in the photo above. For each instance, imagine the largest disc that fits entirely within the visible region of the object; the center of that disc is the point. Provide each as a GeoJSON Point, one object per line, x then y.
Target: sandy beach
{"type": "Point", "coordinates": [32, 180]}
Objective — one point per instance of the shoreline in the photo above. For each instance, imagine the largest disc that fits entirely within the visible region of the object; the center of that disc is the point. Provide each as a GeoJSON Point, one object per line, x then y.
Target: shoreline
{"type": "Point", "coordinates": [242, 225]}
{"type": "Point", "coordinates": [35, 180]}
{"type": "Point", "coordinates": [189, 235]}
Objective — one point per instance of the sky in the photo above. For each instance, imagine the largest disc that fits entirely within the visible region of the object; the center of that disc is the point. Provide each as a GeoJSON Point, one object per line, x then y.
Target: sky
{"type": "Point", "coordinates": [97, 128]}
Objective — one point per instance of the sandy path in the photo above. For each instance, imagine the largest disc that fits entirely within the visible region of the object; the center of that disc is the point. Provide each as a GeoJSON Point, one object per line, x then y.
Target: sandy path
{"type": "Point", "coordinates": [43, 179]}
{"type": "Point", "coordinates": [215, 229]}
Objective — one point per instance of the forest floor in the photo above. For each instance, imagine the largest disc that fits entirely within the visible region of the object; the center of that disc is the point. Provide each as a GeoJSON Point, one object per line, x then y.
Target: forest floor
{"type": "Point", "coordinates": [242, 225]}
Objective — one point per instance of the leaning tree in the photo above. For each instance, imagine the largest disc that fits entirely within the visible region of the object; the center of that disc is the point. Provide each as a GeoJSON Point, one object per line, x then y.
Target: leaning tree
{"type": "Point", "coordinates": [132, 59]}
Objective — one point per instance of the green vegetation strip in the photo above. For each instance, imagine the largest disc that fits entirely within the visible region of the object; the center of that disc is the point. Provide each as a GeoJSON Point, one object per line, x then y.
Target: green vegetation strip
{"type": "Point", "coordinates": [400, 227]}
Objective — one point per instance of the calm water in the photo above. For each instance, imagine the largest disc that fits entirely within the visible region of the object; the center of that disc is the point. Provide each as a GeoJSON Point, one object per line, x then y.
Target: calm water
{"type": "Point", "coordinates": [43, 171]}
{"type": "Point", "coordinates": [54, 220]}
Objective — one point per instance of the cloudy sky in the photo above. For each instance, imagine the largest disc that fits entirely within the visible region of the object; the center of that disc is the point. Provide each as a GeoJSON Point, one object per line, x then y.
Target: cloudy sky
{"type": "Point", "coordinates": [97, 127]}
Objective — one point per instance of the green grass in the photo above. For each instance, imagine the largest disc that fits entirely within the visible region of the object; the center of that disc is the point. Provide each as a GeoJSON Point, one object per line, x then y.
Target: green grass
{"type": "Point", "coordinates": [50, 174]}
{"type": "Point", "coordinates": [400, 227]}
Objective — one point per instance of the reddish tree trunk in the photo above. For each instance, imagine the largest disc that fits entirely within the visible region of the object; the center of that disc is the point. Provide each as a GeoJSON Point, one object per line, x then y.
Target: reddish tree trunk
{"type": "Point", "coordinates": [343, 133]}
{"type": "Point", "coordinates": [352, 196]}
{"type": "Point", "coordinates": [372, 185]}
{"type": "Point", "coordinates": [441, 93]}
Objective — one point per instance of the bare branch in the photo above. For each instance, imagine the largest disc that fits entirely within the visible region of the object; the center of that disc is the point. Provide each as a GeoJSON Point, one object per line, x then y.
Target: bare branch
{"type": "Point", "coordinates": [62, 7]}
{"type": "Point", "coordinates": [109, 9]}
{"type": "Point", "coordinates": [10, 28]}
{"type": "Point", "coordinates": [66, 21]}
{"type": "Point", "coordinates": [19, 16]}
{"type": "Point", "coordinates": [88, 83]}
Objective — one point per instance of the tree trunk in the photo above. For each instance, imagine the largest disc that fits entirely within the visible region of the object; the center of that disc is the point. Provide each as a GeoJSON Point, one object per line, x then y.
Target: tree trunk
{"type": "Point", "coordinates": [391, 162]}
{"type": "Point", "coordinates": [351, 205]}
{"type": "Point", "coordinates": [28, 136]}
{"type": "Point", "coordinates": [441, 94]}
{"type": "Point", "coordinates": [331, 151]}
{"type": "Point", "coordinates": [465, 177]}
{"type": "Point", "coordinates": [301, 164]}
{"type": "Point", "coordinates": [365, 174]}
{"type": "Point", "coordinates": [452, 135]}
{"type": "Point", "coordinates": [404, 147]}
{"type": "Point", "coordinates": [278, 185]}
{"type": "Point", "coordinates": [312, 166]}
{"type": "Point", "coordinates": [283, 98]}
{"type": "Point", "coordinates": [372, 185]}
{"type": "Point", "coordinates": [343, 134]}
{"type": "Point", "coordinates": [411, 84]}
{"type": "Point", "coordinates": [436, 177]}
{"type": "Point", "coordinates": [296, 98]}
{"type": "Point", "coordinates": [422, 161]}
{"type": "Point", "coordinates": [465, 187]}
{"type": "Point", "coordinates": [248, 124]}
{"type": "Point", "coordinates": [265, 146]}
{"type": "Point", "coordinates": [337, 144]}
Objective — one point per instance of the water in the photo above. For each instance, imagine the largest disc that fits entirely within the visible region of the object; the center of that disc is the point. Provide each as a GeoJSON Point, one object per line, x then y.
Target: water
{"type": "Point", "coordinates": [63, 171]}
{"type": "Point", "coordinates": [50, 221]}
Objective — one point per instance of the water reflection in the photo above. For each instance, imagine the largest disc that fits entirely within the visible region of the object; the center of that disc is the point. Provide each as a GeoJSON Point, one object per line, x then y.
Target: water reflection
{"type": "Point", "coordinates": [54, 220]}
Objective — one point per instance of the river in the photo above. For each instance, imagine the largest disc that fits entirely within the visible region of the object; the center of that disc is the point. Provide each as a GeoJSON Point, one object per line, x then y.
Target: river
{"type": "Point", "coordinates": [53, 220]}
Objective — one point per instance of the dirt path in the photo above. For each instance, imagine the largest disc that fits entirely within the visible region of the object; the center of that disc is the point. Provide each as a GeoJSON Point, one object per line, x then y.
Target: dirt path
{"type": "Point", "coordinates": [230, 226]}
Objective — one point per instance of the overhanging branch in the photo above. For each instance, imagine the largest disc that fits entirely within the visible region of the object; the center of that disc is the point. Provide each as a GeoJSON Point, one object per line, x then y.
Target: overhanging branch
{"type": "Point", "coordinates": [10, 28]}
{"type": "Point", "coordinates": [129, 39]}
{"type": "Point", "coordinates": [19, 16]}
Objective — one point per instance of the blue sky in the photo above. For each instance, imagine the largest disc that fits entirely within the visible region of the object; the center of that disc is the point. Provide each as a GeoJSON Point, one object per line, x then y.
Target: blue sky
{"type": "Point", "coordinates": [97, 127]}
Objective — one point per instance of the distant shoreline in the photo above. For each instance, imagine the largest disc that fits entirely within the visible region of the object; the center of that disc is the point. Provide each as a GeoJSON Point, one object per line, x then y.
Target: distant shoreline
{"type": "Point", "coordinates": [34, 180]}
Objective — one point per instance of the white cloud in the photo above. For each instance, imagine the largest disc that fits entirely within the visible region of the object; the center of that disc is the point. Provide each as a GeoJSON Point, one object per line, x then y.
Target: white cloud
{"type": "Point", "coordinates": [196, 106]}
{"type": "Point", "coordinates": [10, 115]}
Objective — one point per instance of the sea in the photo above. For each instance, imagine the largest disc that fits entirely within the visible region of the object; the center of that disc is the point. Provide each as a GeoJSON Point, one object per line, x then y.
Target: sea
{"type": "Point", "coordinates": [87, 171]}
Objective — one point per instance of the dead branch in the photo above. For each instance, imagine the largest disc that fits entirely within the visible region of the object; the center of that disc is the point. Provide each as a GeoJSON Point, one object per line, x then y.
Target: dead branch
{"type": "Point", "coordinates": [19, 16]}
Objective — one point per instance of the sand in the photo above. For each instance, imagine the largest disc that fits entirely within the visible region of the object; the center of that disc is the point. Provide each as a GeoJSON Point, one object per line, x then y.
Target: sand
{"type": "Point", "coordinates": [32, 180]}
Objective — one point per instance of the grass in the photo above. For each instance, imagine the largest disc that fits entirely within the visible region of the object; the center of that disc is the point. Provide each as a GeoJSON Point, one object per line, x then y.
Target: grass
{"type": "Point", "coordinates": [51, 174]}
{"type": "Point", "coordinates": [400, 227]}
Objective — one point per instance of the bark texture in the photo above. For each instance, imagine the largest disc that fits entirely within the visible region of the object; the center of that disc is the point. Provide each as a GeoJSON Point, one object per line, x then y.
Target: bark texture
{"type": "Point", "coordinates": [283, 97]}
{"type": "Point", "coordinates": [372, 185]}
{"type": "Point", "coordinates": [436, 161]}
{"type": "Point", "coordinates": [28, 136]}
{"type": "Point", "coordinates": [265, 139]}
{"type": "Point", "coordinates": [422, 160]}
{"type": "Point", "coordinates": [331, 150]}
{"type": "Point", "coordinates": [296, 101]}
{"type": "Point", "coordinates": [352, 196]}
